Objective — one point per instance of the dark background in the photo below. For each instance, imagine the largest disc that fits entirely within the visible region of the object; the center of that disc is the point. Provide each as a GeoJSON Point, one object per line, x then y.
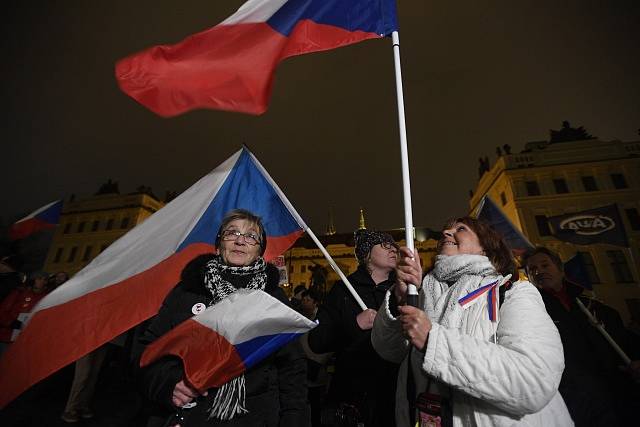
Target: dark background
{"type": "Point", "coordinates": [477, 75]}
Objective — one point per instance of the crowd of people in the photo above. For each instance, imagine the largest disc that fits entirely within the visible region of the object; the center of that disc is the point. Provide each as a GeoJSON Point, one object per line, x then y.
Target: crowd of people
{"type": "Point", "coordinates": [484, 346]}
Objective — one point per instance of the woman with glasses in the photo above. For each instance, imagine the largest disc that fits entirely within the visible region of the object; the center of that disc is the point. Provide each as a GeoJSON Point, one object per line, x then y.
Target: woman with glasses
{"type": "Point", "coordinates": [363, 386]}
{"type": "Point", "coordinates": [272, 393]}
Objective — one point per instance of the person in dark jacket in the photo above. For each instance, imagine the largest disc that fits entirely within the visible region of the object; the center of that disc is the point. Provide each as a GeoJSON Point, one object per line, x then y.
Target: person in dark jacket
{"type": "Point", "coordinates": [363, 386]}
{"type": "Point", "coordinates": [597, 392]}
{"type": "Point", "coordinates": [272, 393]}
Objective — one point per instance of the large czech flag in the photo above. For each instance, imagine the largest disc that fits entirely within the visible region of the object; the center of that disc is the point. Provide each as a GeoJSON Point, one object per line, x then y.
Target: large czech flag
{"type": "Point", "coordinates": [127, 283]}
{"type": "Point", "coordinates": [229, 337]}
{"type": "Point", "coordinates": [41, 219]}
{"type": "Point", "coordinates": [231, 66]}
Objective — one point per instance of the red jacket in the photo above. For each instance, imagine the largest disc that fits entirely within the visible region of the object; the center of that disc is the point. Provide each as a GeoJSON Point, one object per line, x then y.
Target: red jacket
{"type": "Point", "coordinates": [20, 300]}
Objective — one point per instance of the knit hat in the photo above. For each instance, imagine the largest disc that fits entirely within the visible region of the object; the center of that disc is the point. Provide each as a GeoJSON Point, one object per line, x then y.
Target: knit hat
{"type": "Point", "coordinates": [365, 240]}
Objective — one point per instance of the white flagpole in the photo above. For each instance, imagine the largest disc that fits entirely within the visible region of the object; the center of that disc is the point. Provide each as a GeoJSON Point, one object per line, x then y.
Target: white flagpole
{"type": "Point", "coordinates": [335, 267]}
{"type": "Point", "coordinates": [412, 292]}
{"type": "Point", "coordinates": [604, 333]}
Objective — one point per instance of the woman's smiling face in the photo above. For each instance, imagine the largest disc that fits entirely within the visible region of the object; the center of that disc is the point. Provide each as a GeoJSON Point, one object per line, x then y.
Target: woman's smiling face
{"type": "Point", "coordinates": [459, 239]}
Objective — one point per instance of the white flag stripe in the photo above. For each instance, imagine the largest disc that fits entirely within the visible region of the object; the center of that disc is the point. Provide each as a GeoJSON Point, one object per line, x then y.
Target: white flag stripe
{"type": "Point", "coordinates": [147, 244]}
{"type": "Point", "coordinates": [248, 314]}
{"type": "Point", "coordinates": [254, 11]}
{"type": "Point", "coordinates": [36, 212]}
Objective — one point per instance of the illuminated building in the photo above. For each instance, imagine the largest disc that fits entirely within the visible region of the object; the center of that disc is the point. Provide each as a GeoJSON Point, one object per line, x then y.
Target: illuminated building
{"type": "Point", "coordinates": [87, 226]}
{"type": "Point", "coordinates": [571, 173]}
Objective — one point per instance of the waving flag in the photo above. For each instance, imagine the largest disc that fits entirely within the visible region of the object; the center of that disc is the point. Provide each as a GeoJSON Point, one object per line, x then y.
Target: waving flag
{"type": "Point", "coordinates": [491, 214]}
{"type": "Point", "coordinates": [127, 283]}
{"type": "Point", "coordinates": [229, 337]}
{"type": "Point", "coordinates": [231, 66]}
{"type": "Point", "coordinates": [44, 218]}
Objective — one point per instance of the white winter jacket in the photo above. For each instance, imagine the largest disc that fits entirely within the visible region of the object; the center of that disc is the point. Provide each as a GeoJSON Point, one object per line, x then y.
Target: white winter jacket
{"type": "Point", "coordinates": [513, 382]}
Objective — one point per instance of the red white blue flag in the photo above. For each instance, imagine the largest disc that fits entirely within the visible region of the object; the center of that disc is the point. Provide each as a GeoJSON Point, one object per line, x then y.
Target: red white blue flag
{"type": "Point", "coordinates": [41, 219]}
{"type": "Point", "coordinates": [127, 283]}
{"type": "Point", "coordinates": [231, 66]}
{"type": "Point", "coordinates": [229, 337]}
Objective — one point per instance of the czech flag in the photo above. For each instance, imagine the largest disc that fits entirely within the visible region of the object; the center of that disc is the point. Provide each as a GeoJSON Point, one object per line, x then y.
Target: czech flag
{"type": "Point", "coordinates": [127, 283]}
{"type": "Point", "coordinates": [229, 337]}
{"type": "Point", "coordinates": [231, 66]}
{"type": "Point", "coordinates": [44, 218]}
{"type": "Point", "coordinates": [492, 215]}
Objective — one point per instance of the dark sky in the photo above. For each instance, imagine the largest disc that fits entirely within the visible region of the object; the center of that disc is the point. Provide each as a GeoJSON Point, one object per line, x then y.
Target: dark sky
{"type": "Point", "coordinates": [476, 75]}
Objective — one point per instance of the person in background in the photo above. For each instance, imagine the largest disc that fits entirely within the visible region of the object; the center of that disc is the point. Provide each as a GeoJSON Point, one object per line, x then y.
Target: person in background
{"type": "Point", "coordinates": [309, 304]}
{"type": "Point", "coordinates": [468, 360]}
{"type": "Point", "coordinates": [296, 299]}
{"type": "Point", "coordinates": [595, 389]}
{"type": "Point", "coordinates": [18, 303]}
{"type": "Point", "coordinates": [362, 389]}
{"type": "Point", "coordinates": [10, 277]}
{"type": "Point", "coordinates": [57, 279]}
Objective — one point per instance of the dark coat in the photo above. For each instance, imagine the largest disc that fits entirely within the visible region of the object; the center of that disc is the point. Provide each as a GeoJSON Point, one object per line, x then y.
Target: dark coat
{"type": "Point", "coordinates": [592, 385]}
{"type": "Point", "coordinates": [361, 378]}
{"type": "Point", "coordinates": [276, 392]}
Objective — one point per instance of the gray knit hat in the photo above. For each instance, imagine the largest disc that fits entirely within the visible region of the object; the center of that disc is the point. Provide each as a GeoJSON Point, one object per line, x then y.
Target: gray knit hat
{"type": "Point", "coordinates": [365, 240]}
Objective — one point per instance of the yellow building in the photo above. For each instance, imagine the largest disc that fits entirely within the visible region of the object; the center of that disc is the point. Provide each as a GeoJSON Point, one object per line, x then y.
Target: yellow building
{"type": "Point", "coordinates": [87, 226]}
{"type": "Point", "coordinates": [566, 176]}
{"type": "Point", "coordinates": [304, 258]}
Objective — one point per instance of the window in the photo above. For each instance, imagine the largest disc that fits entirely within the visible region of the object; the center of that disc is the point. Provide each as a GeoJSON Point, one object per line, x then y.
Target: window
{"type": "Point", "coordinates": [124, 223]}
{"type": "Point", "coordinates": [532, 188]}
{"type": "Point", "coordinates": [589, 183]}
{"type": "Point", "coordinates": [619, 267]}
{"type": "Point", "coordinates": [543, 225]}
{"type": "Point", "coordinates": [619, 181]}
{"type": "Point", "coordinates": [95, 225]}
{"type": "Point", "coordinates": [67, 228]}
{"type": "Point", "coordinates": [303, 269]}
{"type": "Point", "coordinates": [109, 224]}
{"type": "Point", "coordinates": [81, 226]}
{"type": "Point", "coordinates": [634, 218]}
{"type": "Point", "coordinates": [72, 254]}
{"type": "Point", "coordinates": [560, 185]}
{"type": "Point", "coordinates": [590, 267]}
{"type": "Point", "coordinates": [503, 198]}
{"type": "Point", "coordinates": [87, 253]}
{"type": "Point", "coordinates": [58, 256]}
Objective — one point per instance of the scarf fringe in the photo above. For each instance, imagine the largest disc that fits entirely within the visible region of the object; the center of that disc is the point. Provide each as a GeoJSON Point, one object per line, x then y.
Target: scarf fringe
{"type": "Point", "coordinates": [229, 400]}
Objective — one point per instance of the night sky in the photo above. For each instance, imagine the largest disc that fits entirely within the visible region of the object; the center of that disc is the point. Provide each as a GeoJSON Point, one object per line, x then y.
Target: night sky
{"type": "Point", "coordinates": [477, 75]}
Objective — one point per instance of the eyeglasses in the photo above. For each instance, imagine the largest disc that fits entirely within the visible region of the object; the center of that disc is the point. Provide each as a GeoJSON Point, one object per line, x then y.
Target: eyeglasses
{"type": "Point", "coordinates": [249, 238]}
{"type": "Point", "coordinates": [389, 246]}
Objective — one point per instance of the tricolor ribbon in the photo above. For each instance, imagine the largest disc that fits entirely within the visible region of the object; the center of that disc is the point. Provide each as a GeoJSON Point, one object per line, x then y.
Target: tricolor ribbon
{"type": "Point", "coordinates": [491, 291]}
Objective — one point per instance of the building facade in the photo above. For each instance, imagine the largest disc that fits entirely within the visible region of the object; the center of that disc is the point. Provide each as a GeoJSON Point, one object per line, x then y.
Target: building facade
{"type": "Point", "coordinates": [87, 226]}
{"type": "Point", "coordinates": [563, 177]}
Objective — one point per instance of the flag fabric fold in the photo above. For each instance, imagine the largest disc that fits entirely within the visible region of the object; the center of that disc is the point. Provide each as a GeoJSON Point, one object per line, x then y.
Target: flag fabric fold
{"type": "Point", "coordinates": [229, 337]}
{"type": "Point", "coordinates": [128, 281]}
{"type": "Point", "coordinates": [231, 66]}
{"type": "Point", "coordinates": [44, 218]}
{"type": "Point", "coordinates": [491, 214]}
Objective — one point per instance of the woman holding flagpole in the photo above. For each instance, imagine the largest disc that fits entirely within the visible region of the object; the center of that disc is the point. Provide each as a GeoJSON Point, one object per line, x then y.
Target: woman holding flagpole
{"type": "Point", "coordinates": [363, 386]}
{"type": "Point", "coordinates": [478, 350]}
{"type": "Point", "coordinates": [273, 392]}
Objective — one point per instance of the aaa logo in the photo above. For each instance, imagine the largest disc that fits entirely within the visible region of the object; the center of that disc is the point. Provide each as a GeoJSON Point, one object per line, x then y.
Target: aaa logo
{"type": "Point", "coordinates": [588, 225]}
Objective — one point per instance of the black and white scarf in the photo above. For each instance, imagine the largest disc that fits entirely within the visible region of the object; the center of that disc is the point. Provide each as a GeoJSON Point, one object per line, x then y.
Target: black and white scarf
{"type": "Point", "coordinates": [222, 280]}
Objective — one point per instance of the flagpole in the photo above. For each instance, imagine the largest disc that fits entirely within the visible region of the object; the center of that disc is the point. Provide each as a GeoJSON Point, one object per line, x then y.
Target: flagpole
{"type": "Point", "coordinates": [412, 291]}
{"type": "Point", "coordinates": [604, 333]}
{"type": "Point", "coordinates": [335, 267]}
